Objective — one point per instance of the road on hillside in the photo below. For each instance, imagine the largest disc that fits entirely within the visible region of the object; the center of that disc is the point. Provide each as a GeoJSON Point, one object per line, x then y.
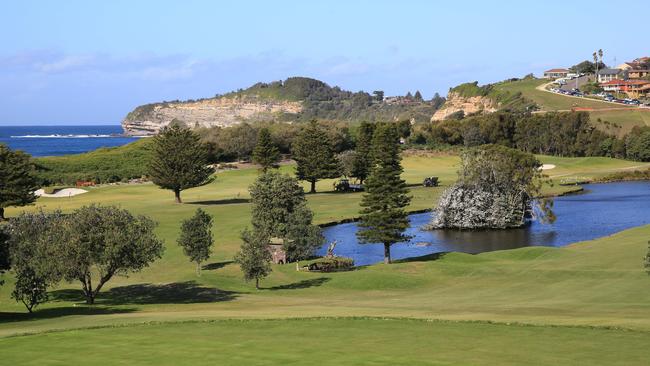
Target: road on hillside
{"type": "Point", "coordinates": [577, 83]}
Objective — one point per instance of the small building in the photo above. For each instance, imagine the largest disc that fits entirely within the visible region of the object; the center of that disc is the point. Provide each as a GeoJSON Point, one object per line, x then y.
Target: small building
{"type": "Point", "coordinates": [606, 75]}
{"type": "Point", "coordinates": [556, 73]}
{"type": "Point", "coordinates": [627, 66]}
{"type": "Point", "coordinates": [638, 73]}
{"type": "Point", "coordinates": [276, 248]}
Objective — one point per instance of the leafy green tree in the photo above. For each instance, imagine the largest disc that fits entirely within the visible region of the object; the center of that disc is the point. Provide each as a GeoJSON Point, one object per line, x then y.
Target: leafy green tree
{"type": "Point", "coordinates": [279, 208]}
{"type": "Point", "coordinates": [383, 218]}
{"type": "Point", "coordinates": [196, 238]}
{"type": "Point", "coordinates": [30, 288]}
{"type": "Point", "coordinates": [638, 144]}
{"type": "Point", "coordinates": [266, 154]}
{"type": "Point", "coordinates": [254, 257]}
{"type": "Point", "coordinates": [302, 237]}
{"type": "Point", "coordinates": [30, 239]}
{"type": "Point", "coordinates": [362, 158]}
{"type": "Point", "coordinates": [179, 160]}
{"type": "Point", "coordinates": [378, 95]}
{"type": "Point", "coordinates": [18, 180]}
{"type": "Point", "coordinates": [418, 96]}
{"type": "Point", "coordinates": [105, 241]}
{"type": "Point", "coordinates": [314, 154]}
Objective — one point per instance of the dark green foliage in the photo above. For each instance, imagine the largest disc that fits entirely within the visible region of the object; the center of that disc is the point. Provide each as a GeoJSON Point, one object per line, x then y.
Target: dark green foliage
{"type": "Point", "coordinates": [383, 218]}
{"type": "Point", "coordinates": [418, 96]}
{"type": "Point", "coordinates": [638, 144]}
{"type": "Point", "coordinates": [330, 264]}
{"type": "Point", "coordinates": [196, 238]}
{"type": "Point", "coordinates": [104, 241]}
{"type": "Point", "coordinates": [314, 154]}
{"type": "Point", "coordinates": [18, 180]}
{"type": "Point", "coordinates": [32, 238]}
{"type": "Point", "coordinates": [30, 288]}
{"type": "Point", "coordinates": [362, 159]}
{"type": "Point", "coordinates": [266, 154]}
{"type": "Point", "coordinates": [587, 67]}
{"type": "Point", "coordinates": [254, 257]}
{"type": "Point", "coordinates": [279, 208]}
{"type": "Point", "coordinates": [5, 263]}
{"type": "Point", "coordinates": [179, 160]}
{"type": "Point", "coordinates": [302, 237]}
{"type": "Point", "coordinates": [104, 165]}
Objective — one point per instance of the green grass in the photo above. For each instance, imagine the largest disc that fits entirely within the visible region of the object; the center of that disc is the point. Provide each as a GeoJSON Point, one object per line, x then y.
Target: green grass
{"type": "Point", "coordinates": [627, 118]}
{"type": "Point", "coordinates": [329, 342]}
{"type": "Point", "coordinates": [597, 283]}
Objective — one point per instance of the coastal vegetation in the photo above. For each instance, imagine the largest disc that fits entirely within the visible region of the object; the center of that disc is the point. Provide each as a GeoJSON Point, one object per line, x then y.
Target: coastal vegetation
{"type": "Point", "coordinates": [178, 161]}
{"type": "Point", "coordinates": [17, 179]}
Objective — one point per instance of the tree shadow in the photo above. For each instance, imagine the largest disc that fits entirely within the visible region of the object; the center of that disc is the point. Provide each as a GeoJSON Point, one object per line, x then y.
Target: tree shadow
{"type": "Point", "coordinates": [228, 201]}
{"type": "Point", "coordinates": [145, 294]}
{"type": "Point", "coordinates": [423, 258]}
{"type": "Point", "coordinates": [7, 317]}
{"type": "Point", "coordinates": [215, 265]}
{"type": "Point", "coordinates": [314, 282]}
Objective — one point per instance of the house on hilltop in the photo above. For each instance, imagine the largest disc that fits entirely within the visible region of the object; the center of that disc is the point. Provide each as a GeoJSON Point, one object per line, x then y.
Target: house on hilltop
{"type": "Point", "coordinates": [633, 88]}
{"type": "Point", "coordinates": [638, 73]}
{"type": "Point", "coordinates": [606, 75]}
{"type": "Point", "coordinates": [556, 73]}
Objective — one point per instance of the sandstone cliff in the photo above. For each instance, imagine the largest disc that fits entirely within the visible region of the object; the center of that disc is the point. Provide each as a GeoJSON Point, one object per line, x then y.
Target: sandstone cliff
{"type": "Point", "coordinates": [223, 111]}
{"type": "Point", "coordinates": [469, 105]}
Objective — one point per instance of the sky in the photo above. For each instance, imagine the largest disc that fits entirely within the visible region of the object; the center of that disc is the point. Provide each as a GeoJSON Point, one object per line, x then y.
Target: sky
{"type": "Point", "coordinates": [91, 62]}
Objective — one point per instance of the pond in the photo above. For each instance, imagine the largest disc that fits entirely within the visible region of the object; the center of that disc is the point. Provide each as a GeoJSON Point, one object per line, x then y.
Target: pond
{"type": "Point", "coordinates": [602, 210]}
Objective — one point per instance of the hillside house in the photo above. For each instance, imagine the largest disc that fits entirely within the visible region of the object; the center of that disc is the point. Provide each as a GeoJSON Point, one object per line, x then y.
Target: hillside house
{"type": "Point", "coordinates": [627, 66]}
{"type": "Point", "coordinates": [556, 73]}
{"type": "Point", "coordinates": [638, 73]}
{"type": "Point", "coordinates": [633, 88]}
{"type": "Point", "coordinates": [606, 75]}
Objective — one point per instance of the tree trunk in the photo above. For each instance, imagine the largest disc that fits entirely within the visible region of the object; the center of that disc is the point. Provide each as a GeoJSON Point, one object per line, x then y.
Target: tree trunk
{"type": "Point", "coordinates": [198, 269]}
{"type": "Point", "coordinates": [257, 283]}
{"type": "Point", "coordinates": [386, 253]}
{"type": "Point", "coordinates": [2, 214]}
{"type": "Point", "coordinates": [313, 186]}
{"type": "Point", "coordinates": [177, 195]}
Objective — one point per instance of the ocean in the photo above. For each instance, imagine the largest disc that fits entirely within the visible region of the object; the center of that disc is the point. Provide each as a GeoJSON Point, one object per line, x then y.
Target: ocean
{"type": "Point", "coordinates": [62, 140]}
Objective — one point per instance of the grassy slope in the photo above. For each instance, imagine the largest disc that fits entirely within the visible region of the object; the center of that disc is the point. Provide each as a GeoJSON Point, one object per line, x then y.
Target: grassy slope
{"type": "Point", "coordinates": [595, 283]}
{"type": "Point", "coordinates": [552, 102]}
{"type": "Point", "coordinates": [329, 342]}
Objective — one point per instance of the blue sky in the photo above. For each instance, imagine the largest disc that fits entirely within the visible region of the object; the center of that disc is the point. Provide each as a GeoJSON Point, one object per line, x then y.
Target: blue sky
{"type": "Point", "coordinates": [91, 62]}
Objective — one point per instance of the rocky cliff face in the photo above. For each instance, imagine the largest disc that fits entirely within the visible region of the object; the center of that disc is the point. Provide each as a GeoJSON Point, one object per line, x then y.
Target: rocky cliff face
{"type": "Point", "coordinates": [468, 105]}
{"type": "Point", "coordinates": [225, 111]}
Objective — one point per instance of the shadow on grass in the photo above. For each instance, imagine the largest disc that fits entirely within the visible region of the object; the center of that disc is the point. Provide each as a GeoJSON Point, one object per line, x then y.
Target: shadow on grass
{"type": "Point", "coordinates": [229, 201]}
{"type": "Point", "coordinates": [423, 258]}
{"type": "Point", "coordinates": [314, 282]}
{"type": "Point", "coordinates": [6, 317]}
{"type": "Point", "coordinates": [144, 294]}
{"type": "Point", "coordinates": [215, 265]}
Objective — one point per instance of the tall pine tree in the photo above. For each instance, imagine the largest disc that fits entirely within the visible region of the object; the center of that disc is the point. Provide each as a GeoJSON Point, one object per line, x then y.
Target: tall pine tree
{"type": "Point", "coordinates": [17, 179]}
{"type": "Point", "coordinates": [362, 159]}
{"type": "Point", "coordinates": [383, 218]}
{"type": "Point", "coordinates": [266, 154]}
{"type": "Point", "coordinates": [314, 153]}
{"type": "Point", "coordinates": [179, 160]}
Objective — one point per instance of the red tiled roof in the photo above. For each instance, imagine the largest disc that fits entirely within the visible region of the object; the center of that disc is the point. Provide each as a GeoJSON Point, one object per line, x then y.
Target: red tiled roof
{"type": "Point", "coordinates": [625, 82]}
{"type": "Point", "coordinates": [557, 70]}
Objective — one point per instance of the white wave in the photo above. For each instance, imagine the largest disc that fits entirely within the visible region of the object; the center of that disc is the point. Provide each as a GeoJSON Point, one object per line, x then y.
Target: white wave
{"type": "Point", "coordinates": [57, 136]}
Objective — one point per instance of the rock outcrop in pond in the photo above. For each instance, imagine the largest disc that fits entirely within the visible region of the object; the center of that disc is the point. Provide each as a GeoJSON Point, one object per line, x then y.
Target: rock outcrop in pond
{"type": "Point", "coordinates": [476, 208]}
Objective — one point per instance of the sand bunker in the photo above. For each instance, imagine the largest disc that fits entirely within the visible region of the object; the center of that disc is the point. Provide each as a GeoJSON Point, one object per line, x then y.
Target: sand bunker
{"type": "Point", "coordinates": [62, 193]}
{"type": "Point", "coordinates": [547, 166]}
